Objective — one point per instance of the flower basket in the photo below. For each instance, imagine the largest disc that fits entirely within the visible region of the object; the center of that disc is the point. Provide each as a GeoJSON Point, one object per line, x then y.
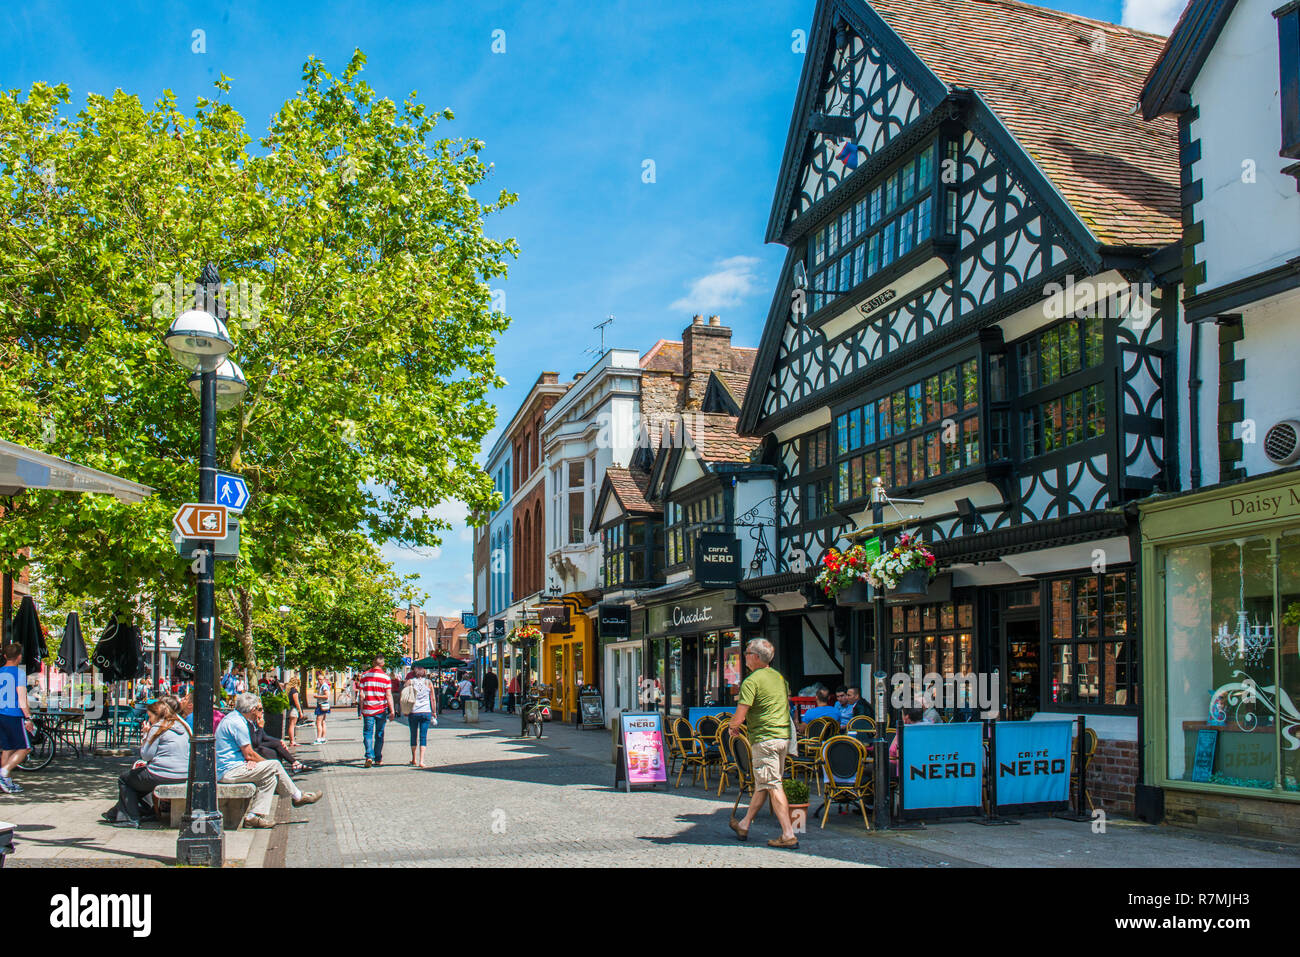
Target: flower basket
{"type": "Point", "coordinates": [858, 595]}
{"type": "Point", "coordinates": [526, 633]}
{"type": "Point", "coordinates": [843, 571]}
{"type": "Point", "coordinates": [905, 570]}
{"type": "Point", "coordinates": [914, 583]}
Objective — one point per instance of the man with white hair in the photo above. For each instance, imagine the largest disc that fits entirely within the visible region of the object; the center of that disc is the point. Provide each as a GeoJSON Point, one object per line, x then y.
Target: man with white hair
{"type": "Point", "coordinates": [764, 710]}
{"type": "Point", "coordinates": [238, 763]}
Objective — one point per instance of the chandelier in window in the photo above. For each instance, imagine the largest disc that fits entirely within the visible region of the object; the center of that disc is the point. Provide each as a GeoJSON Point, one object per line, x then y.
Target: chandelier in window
{"type": "Point", "coordinates": [1250, 642]}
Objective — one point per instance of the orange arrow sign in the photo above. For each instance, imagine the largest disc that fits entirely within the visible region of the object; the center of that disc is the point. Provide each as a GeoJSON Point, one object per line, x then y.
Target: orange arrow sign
{"type": "Point", "coordinates": [200, 520]}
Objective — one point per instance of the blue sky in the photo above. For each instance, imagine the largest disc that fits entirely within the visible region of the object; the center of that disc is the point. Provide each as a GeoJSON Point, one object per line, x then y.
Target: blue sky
{"type": "Point", "coordinates": [583, 95]}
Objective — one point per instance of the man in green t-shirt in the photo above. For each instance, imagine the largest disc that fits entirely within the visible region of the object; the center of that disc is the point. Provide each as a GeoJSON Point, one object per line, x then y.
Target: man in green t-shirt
{"type": "Point", "coordinates": [764, 709]}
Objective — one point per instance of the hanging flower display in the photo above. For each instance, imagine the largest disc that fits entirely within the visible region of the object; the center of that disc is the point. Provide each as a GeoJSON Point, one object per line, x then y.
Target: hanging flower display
{"type": "Point", "coordinates": [527, 633]}
{"type": "Point", "coordinates": [909, 555]}
{"type": "Point", "coordinates": [843, 569]}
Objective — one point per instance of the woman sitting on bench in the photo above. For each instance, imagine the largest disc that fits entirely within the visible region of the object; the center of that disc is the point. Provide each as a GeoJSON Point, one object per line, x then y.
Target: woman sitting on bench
{"type": "Point", "coordinates": [164, 759]}
{"type": "Point", "coordinates": [273, 748]}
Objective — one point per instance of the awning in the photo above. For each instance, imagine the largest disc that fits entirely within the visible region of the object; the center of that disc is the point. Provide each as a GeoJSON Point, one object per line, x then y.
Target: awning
{"type": "Point", "coordinates": [22, 468]}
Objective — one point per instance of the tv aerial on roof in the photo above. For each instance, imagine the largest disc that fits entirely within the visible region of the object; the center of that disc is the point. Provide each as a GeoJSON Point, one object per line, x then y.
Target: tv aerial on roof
{"type": "Point", "coordinates": [601, 326]}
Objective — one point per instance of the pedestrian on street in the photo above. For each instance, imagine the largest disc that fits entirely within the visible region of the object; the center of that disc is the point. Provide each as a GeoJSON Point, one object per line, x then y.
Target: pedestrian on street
{"type": "Point", "coordinates": [295, 711]}
{"type": "Point", "coordinates": [376, 690]}
{"type": "Point", "coordinates": [16, 725]}
{"type": "Point", "coordinates": [322, 707]}
{"type": "Point", "coordinates": [764, 711]}
{"type": "Point", "coordinates": [512, 693]}
{"type": "Point", "coordinates": [419, 701]}
{"type": "Point", "coordinates": [465, 691]}
{"type": "Point", "coordinates": [238, 763]}
{"type": "Point", "coordinates": [490, 683]}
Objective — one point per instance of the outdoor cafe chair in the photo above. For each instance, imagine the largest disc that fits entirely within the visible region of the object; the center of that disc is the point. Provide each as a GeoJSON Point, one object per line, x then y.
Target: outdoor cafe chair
{"type": "Point", "coordinates": [706, 730]}
{"type": "Point", "coordinates": [847, 770]}
{"type": "Point", "coordinates": [692, 752]}
{"type": "Point", "coordinates": [680, 738]}
{"type": "Point", "coordinates": [728, 766]}
{"type": "Point", "coordinates": [861, 722]}
{"type": "Point", "coordinates": [1089, 749]}
{"type": "Point", "coordinates": [743, 753]}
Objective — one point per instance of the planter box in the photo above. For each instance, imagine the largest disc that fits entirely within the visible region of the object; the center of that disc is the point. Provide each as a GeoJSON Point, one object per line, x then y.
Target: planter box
{"type": "Point", "coordinates": [914, 583]}
{"type": "Point", "coordinates": [275, 724]}
{"type": "Point", "coordinates": [858, 595]}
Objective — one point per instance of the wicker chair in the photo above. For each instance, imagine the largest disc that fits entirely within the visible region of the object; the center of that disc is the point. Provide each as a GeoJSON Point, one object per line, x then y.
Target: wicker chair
{"type": "Point", "coordinates": [1089, 749]}
{"type": "Point", "coordinates": [728, 765]}
{"type": "Point", "coordinates": [706, 732]}
{"type": "Point", "coordinates": [846, 767]}
{"type": "Point", "coordinates": [680, 736]}
{"type": "Point", "coordinates": [861, 722]}
{"type": "Point", "coordinates": [744, 757]}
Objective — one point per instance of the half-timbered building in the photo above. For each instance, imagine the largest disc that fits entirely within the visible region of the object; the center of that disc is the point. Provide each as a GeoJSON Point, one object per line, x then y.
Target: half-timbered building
{"type": "Point", "coordinates": [978, 305]}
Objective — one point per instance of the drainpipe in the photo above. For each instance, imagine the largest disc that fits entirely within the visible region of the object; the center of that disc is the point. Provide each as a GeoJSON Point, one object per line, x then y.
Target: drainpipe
{"type": "Point", "coordinates": [1194, 402]}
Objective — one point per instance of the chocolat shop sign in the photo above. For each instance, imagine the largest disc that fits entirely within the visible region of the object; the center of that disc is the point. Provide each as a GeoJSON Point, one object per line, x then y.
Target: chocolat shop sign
{"type": "Point", "coordinates": [615, 621]}
{"type": "Point", "coordinates": [707, 612]}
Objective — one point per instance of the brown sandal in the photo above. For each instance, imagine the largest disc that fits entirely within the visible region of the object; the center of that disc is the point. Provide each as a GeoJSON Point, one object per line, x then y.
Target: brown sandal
{"type": "Point", "coordinates": [783, 842]}
{"type": "Point", "coordinates": [742, 833]}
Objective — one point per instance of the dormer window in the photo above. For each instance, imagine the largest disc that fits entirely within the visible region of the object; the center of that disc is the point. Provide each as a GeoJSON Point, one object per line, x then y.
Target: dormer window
{"type": "Point", "coordinates": [888, 221]}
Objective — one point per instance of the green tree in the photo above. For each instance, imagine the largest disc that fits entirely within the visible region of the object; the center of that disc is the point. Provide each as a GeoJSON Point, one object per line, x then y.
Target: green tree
{"type": "Point", "coordinates": [365, 328]}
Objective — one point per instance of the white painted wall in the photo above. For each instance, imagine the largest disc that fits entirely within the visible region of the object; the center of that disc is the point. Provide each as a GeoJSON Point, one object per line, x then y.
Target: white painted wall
{"type": "Point", "coordinates": [748, 494]}
{"type": "Point", "coordinates": [1249, 227]}
{"type": "Point", "coordinates": [1271, 390]}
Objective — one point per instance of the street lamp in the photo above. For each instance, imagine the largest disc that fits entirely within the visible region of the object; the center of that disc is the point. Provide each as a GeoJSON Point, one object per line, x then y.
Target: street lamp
{"type": "Point", "coordinates": [200, 342]}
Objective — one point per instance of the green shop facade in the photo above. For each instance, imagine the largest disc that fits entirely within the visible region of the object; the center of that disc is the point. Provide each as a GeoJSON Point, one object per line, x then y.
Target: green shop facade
{"type": "Point", "coordinates": [1221, 612]}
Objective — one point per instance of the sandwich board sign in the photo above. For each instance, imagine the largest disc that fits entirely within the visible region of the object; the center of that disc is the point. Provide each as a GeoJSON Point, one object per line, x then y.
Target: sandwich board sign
{"type": "Point", "coordinates": [641, 739]}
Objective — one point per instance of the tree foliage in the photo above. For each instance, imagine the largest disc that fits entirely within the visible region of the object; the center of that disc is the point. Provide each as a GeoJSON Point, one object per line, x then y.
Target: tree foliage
{"type": "Point", "coordinates": [366, 331]}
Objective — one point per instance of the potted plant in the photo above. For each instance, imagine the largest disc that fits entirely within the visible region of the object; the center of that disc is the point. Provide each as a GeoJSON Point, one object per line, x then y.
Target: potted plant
{"type": "Point", "coordinates": [844, 575]}
{"type": "Point", "coordinates": [796, 794]}
{"type": "Point", "coordinates": [905, 570]}
{"type": "Point", "coordinates": [273, 708]}
{"type": "Point", "coordinates": [527, 633]}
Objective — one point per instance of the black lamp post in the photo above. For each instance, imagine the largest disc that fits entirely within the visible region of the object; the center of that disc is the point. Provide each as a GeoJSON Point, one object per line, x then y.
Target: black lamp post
{"type": "Point", "coordinates": [200, 342]}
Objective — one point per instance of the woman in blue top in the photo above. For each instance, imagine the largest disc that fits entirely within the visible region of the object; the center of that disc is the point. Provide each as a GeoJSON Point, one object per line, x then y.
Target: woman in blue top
{"type": "Point", "coordinates": [164, 759]}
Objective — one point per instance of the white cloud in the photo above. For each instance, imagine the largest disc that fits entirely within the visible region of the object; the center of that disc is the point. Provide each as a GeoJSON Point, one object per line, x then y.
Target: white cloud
{"type": "Point", "coordinates": [725, 287]}
{"type": "Point", "coordinates": [1155, 16]}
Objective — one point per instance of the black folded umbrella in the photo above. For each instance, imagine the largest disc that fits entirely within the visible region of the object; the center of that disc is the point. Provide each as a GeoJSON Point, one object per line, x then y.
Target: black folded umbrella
{"type": "Point", "coordinates": [72, 658]}
{"type": "Point", "coordinates": [27, 632]}
{"type": "Point", "coordinates": [105, 657]}
{"type": "Point", "coordinates": [185, 660]}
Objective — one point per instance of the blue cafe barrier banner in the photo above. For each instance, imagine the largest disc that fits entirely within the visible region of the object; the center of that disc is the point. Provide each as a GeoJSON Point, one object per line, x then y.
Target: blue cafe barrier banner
{"type": "Point", "coordinates": [1031, 766]}
{"type": "Point", "coordinates": [693, 715]}
{"type": "Point", "coordinates": [941, 769]}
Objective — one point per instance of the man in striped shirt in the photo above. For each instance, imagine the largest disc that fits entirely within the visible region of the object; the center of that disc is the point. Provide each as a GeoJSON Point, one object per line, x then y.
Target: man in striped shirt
{"type": "Point", "coordinates": [376, 690]}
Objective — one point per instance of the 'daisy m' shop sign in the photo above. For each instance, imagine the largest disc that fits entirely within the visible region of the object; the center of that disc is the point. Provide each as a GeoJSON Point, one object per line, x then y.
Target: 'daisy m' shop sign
{"type": "Point", "coordinates": [706, 612]}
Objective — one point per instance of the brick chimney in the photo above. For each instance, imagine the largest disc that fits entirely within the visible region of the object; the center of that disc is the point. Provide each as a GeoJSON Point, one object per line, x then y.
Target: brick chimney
{"type": "Point", "coordinates": [706, 347]}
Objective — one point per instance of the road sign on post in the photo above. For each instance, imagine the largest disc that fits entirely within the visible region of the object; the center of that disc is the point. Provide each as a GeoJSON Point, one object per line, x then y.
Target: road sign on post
{"type": "Point", "coordinates": [200, 520]}
{"type": "Point", "coordinates": [232, 491]}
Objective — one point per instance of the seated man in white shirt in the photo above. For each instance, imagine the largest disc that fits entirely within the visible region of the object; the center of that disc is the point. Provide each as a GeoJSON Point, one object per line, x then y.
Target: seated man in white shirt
{"type": "Point", "coordinates": [238, 763]}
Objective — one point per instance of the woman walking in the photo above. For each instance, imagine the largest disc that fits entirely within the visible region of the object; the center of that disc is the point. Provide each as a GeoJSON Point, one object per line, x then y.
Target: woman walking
{"type": "Point", "coordinates": [322, 707]}
{"type": "Point", "coordinates": [295, 711]}
{"type": "Point", "coordinates": [420, 703]}
{"type": "Point", "coordinates": [164, 759]}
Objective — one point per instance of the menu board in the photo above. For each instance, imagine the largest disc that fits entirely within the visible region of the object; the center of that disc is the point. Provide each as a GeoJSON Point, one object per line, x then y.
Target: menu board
{"type": "Point", "coordinates": [593, 710]}
{"type": "Point", "coordinates": [1207, 741]}
{"type": "Point", "coordinates": [643, 748]}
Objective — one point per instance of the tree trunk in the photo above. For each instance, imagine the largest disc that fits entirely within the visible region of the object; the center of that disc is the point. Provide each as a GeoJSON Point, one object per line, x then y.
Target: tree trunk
{"type": "Point", "coordinates": [246, 636]}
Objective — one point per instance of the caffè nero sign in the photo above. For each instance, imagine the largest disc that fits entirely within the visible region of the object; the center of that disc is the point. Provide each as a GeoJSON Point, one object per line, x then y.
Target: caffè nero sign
{"type": "Point", "coordinates": [699, 613]}
{"type": "Point", "coordinates": [717, 560]}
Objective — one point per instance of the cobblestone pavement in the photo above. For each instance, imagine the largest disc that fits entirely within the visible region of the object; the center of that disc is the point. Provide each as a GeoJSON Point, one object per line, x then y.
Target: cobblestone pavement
{"type": "Point", "coordinates": [489, 800]}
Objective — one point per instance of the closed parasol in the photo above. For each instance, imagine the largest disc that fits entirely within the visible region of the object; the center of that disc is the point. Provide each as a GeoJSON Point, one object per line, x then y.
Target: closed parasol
{"type": "Point", "coordinates": [72, 658]}
{"type": "Point", "coordinates": [27, 632]}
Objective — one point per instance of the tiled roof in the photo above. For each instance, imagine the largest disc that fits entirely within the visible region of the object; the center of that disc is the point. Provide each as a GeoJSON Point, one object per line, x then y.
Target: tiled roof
{"type": "Point", "coordinates": [631, 487]}
{"type": "Point", "coordinates": [715, 438]}
{"type": "Point", "coordinates": [737, 383]}
{"type": "Point", "coordinates": [1065, 87]}
{"type": "Point", "coordinates": [664, 356]}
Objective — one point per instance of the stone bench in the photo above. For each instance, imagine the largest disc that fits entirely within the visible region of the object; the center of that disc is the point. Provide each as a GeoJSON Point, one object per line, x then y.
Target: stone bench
{"type": "Point", "coordinates": [232, 801]}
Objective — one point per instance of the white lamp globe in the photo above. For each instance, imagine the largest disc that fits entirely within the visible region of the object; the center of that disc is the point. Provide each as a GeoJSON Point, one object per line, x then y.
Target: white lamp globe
{"type": "Point", "coordinates": [231, 385]}
{"type": "Point", "coordinates": [198, 340]}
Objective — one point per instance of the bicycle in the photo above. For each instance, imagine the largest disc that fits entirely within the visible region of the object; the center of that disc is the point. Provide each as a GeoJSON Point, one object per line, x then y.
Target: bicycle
{"type": "Point", "coordinates": [43, 748]}
{"type": "Point", "coordinates": [533, 716]}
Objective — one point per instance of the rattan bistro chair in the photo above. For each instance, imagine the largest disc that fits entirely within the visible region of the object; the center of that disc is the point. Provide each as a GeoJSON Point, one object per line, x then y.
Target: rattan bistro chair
{"type": "Point", "coordinates": [744, 757]}
{"type": "Point", "coordinates": [684, 745]}
{"type": "Point", "coordinates": [861, 722]}
{"type": "Point", "coordinates": [728, 765]}
{"type": "Point", "coordinates": [846, 767]}
{"type": "Point", "coordinates": [706, 731]}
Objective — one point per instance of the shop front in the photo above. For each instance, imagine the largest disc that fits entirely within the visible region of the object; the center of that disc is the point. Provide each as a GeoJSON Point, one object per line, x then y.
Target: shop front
{"type": "Point", "coordinates": [1221, 573]}
{"type": "Point", "coordinates": [568, 653]}
{"type": "Point", "coordinates": [695, 654]}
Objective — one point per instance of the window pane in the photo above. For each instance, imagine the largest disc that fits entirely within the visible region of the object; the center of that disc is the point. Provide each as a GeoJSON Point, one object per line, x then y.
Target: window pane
{"type": "Point", "coordinates": [575, 474]}
{"type": "Point", "coordinates": [970, 385]}
{"type": "Point", "coordinates": [918, 459]}
{"type": "Point", "coordinates": [924, 219]}
{"type": "Point", "coordinates": [906, 235]}
{"type": "Point", "coordinates": [842, 433]}
{"type": "Point", "coordinates": [1050, 358]}
{"type": "Point", "coordinates": [869, 424]}
{"type": "Point", "coordinates": [950, 398]}
{"type": "Point", "coordinates": [1027, 360]}
{"type": "Point", "coordinates": [915, 408]}
{"type": "Point", "coordinates": [900, 412]}
{"type": "Point", "coordinates": [855, 429]}
{"type": "Point", "coordinates": [873, 255]}
{"type": "Point", "coordinates": [971, 440]}
{"type": "Point", "coordinates": [1096, 411]}
{"type": "Point", "coordinates": [1094, 342]}
{"type": "Point", "coordinates": [577, 523]}
{"type": "Point", "coordinates": [856, 485]}
{"type": "Point", "coordinates": [887, 244]}
{"type": "Point", "coordinates": [933, 406]}
{"type": "Point", "coordinates": [891, 193]}
{"type": "Point", "coordinates": [934, 453]}
{"type": "Point", "coordinates": [1071, 361]}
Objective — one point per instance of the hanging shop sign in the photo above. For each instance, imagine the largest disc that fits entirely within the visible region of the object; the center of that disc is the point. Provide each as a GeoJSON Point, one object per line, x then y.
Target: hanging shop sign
{"type": "Point", "coordinates": [499, 628]}
{"type": "Point", "coordinates": [553, 618]}
{"type": "Point", "coordinates": [615, 621]}
{"type": "Point", "coordinates": [641, 741]}
{"type": "Point", "coordinates": [717, 560]}
{"type": "Point", "coordinates": [1031, 765]}
{"type": "Point", "coordinates": [941, 769]}
{"type": "Point", "coordinates": [698, 613]}
{"type": "Point", "coordinates": [469, 619]}
{"type": "Point", "coordinates": [753, 615]}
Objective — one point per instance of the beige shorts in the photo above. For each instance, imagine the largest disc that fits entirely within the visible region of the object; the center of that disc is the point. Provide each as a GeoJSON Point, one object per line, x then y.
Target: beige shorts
{"type": "Point", "coordinates": [769, 761]}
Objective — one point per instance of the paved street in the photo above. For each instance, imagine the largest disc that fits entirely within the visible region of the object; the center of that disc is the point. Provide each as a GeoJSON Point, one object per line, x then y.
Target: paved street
{"type": "Point", "coordinates": [489, 800]}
